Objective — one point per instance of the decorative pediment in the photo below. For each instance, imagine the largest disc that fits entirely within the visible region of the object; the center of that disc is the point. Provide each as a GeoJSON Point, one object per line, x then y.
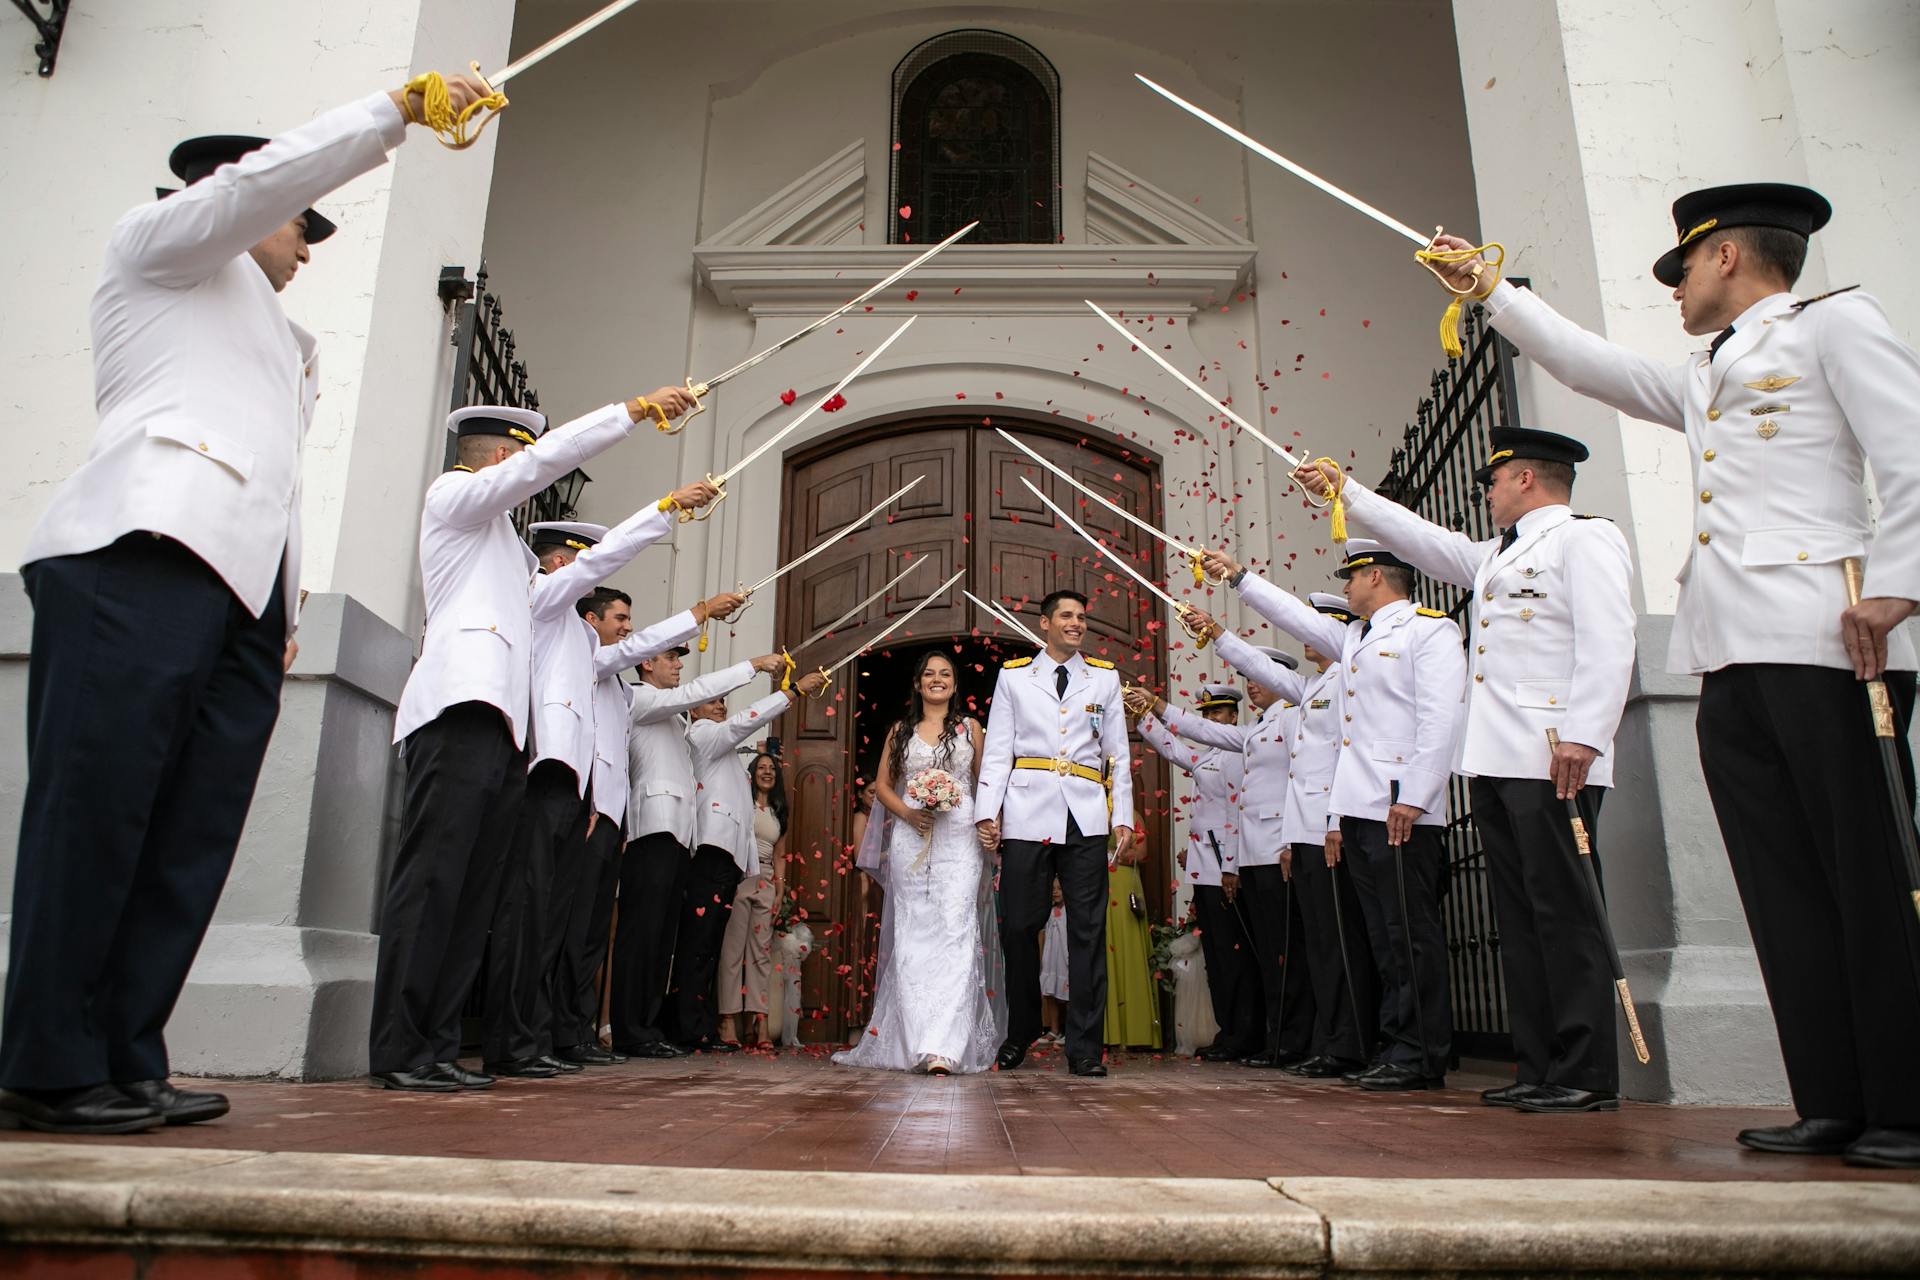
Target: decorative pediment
{"type": "Point", "coordinates": [824, 205]}
{"type": "Point", "coordinates": [1123, 208]}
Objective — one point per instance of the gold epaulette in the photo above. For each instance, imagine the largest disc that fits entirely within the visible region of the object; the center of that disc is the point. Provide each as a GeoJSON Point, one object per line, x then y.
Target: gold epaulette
{"type": "Point", "coordinates": [1011, 663]}
{"type": "Point", "coordinates": [1101, 663]}
{"type": "Point", "coordinates": [1425, 612]}
{"type": "Point", "coordinates": [1804, 303]}
{"type": "Point", "coordinates": [1593, 517]}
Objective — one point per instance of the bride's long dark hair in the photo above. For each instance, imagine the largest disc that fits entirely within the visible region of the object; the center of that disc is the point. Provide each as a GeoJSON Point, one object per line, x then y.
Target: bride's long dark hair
{"type": "Point", "coordinates": [905, 727]}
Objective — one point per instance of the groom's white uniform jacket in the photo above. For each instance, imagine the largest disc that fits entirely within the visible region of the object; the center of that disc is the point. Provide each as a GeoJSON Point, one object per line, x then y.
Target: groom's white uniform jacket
{"type": "Point", "coordinates": [658, 757]}
{"type": "Point", "coordinates": [203, 386]}
{"type": "Point", "coordinates": [1551, 625]}
{"type": "Point", "coordinates": [1087, 727]}
{"type": "Point", "coordinates": [723, 809]}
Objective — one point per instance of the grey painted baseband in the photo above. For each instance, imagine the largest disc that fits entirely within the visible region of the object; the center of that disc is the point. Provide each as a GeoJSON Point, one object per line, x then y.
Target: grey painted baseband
{"type": "Point", "coordinates": [123, 1194]}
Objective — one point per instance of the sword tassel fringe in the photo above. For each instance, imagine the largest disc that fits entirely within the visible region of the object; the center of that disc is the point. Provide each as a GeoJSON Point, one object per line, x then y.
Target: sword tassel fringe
{"type": "Point", "coordinates": [436, 111]}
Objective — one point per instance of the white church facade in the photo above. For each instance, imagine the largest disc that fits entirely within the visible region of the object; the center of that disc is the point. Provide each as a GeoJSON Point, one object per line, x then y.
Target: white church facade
{"type": "Point", "coordinates": [700, 177]}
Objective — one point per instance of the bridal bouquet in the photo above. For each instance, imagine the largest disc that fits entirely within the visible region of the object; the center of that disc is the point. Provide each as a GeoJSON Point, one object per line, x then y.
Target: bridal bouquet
{"type": "Point", "coordinates": [936, 791]}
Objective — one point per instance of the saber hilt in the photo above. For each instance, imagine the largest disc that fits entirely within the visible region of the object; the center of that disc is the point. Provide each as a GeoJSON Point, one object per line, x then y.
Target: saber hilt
{"type": "Point", "coordinates": [699, 391]}
{"type": "Point", "coordinates": [687, 515]}
{"type": "Point", "coordinates": [1195, 632]}
{"type": "Point", "coordinates": [1880, 703]}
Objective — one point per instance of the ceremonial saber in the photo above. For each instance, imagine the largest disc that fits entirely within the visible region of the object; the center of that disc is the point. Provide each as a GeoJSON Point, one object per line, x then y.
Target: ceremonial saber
{"type": "Point", "coordinates": [720, 481]}
{"type": "Point", "coordinates": [1583, 851]}
{"type": "Point", "coordinates": [898, 623]}
{"type": "Point", "coordinates": [1406, 927]}
{"type": "Point", "coordinates": [838, 622]}
{"type": "Point", "coordinates": [1181, 610]}
{"type": "Point", "coordinates": [1426, 255]}
{"type": "Point", "coordinates": [1360, 1033]}
{"type": "Point", "coordinates": [1192, 553]}
{"type": "Point", "coordinates": [698, 390]}
{"type": "Point", "coordinates": [1005, 618]}
{"type": "Point", "coordinates": [1886, 734]}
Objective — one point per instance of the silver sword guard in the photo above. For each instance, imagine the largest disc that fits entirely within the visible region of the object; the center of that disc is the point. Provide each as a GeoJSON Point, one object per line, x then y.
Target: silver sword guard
{"type": "Point", "coordinates": [699, 391]}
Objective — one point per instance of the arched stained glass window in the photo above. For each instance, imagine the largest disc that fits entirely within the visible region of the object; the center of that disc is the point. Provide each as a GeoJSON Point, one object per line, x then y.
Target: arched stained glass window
{"type": "Point", "coordinates": [977, 122]}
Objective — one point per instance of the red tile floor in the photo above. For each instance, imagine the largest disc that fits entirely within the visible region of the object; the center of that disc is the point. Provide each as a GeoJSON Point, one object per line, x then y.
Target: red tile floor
{"type": "Point", "coordinates": [1153, 1117]}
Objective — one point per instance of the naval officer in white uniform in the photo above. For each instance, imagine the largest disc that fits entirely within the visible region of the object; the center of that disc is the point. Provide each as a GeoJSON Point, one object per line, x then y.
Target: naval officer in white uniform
{"type": "Point", "coordinates": [1552, 632]}
{"type": "Point", "coordinates": [165, 581]}
{"type": "Point", "coordinates": [1783, 411]}
{"type": "Point", "coordinates": [1055, 766]}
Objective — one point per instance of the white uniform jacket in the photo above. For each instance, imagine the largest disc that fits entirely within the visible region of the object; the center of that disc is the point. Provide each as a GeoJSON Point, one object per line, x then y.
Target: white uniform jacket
{"type": "Point", "coordinates": [1399, 697]}
{"type": "Point", "coordinates": [1316, 748]}
{"type": "Point", "coordinates": [1087, 727]}
{"type": "Point", "coordinates": [659, 759]}
{"type": "Point", "coordinates": [478, 575]}
{"type": "Point", "coordinates": [1779, 425]}
{"type": "Point", "coordinates": [566, 647]}
{"type": "Point", "coordinates": [1550, 630]}
{"type": "Point", "coordinates": [204, 388]}
{"type": "Point", "coordinates": [613, 706]}
{"type": "Point", "coordinates": [1263, 748]}
{"type": "Point", "coordinates": [1215, 810]}
{"type": "Point", "coordinates": [723, 814]}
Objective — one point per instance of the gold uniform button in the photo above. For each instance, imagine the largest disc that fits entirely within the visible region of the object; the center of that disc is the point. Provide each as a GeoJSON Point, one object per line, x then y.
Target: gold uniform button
{"type": "Point", "coordinates": [1553, 702]}
{"type": "Point", "coordinates": [1349, 719]}
{"type": "Point", "coordinates": [1705, 538]}
{"type": "Point", "coordinates": [491, 627]}
{"type": "Point", "coordinates": [1713, 415]}
{"type": "Point", "coordinates": [1478, 678]}
{"type": "Point", "coordinates": [1489, 593]}
{"type": "Point", "coordinates": [1801, 556]}
{"type": "Point", "coordinates": [1706, 495]}
{"type": "Point", "coordinates": [1486, 622]}
{"type": "Point", "coordinates": [1707, 456]}
{"type": "Point", "coordinates": [1346, 742]}
{"type": "Point", "coordinates": [203, 446]}
{"type": "Point", "coordinates": [1480, 648]}
{"type": "Point", "coordinates": [1354, 667]}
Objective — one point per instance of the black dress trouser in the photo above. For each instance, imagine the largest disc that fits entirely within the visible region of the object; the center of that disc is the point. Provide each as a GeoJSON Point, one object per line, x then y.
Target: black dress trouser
{"type": "Point", "coordinates": [525, 946]}
{"type": "Point", "coordinates": [1233, 975]}
{"type": "Point", "coordinates": [653, 880]}
{"type": "Point", "coordinates": [1341, 1031]}
{"type": "Point", "coordinates": [465, 782]}
{"type": "Point", "coordinates": [1552, 952]}
{"type": "Point", "coordinates": [1281, 959]}
{"type": "Point", "coordinates": [1027, 872]}
{"type": "Point", "coordinates": [1796, 781]}
{"type": "Point", "coordinates": [693, 1011]}
{"type": "Point", "coordinates": [1417, 1026]}
{"type": "Point", "coordinates": [151, 695]}
{"type": "Point", "coordinates": [583, 950]}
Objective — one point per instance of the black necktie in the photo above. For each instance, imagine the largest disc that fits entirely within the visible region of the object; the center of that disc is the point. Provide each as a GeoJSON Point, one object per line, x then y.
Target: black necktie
{"type": "Point", "coordinates": [1059, 682]}
{"type": "Point", "coordinates": [1509, 537]}
{"type": "Point", "coordinates": [1366, 625]}
{"type": "Point", "coordinates": [1718, 340]}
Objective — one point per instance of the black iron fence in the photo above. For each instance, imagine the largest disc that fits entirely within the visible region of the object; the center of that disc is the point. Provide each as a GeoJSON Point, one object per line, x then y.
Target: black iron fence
{"type": "Point", "coordinates": [1432, 473]}
{"type": "Point", "coordinates": [485, 371]}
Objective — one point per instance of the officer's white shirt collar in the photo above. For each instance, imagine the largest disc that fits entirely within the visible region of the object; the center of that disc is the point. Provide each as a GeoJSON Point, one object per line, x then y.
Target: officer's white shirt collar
{"type": "Point", "coordinates": [1539, 516]}
{"type": "Point", "coordinates": [1387, 613]}
{"type": "Point", "coordinates": [1043, 664]}
{"type": "Point", "coordinates": [1772, 303]}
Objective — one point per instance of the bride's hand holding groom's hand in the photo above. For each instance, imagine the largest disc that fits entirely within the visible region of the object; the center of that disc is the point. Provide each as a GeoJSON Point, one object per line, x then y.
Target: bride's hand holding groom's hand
{"type": "Point", "coordinates": [989, 834]}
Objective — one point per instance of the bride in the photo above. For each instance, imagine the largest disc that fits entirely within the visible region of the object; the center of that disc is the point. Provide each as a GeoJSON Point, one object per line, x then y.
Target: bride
{"type": "Point", "coordinates": [930, 1009]}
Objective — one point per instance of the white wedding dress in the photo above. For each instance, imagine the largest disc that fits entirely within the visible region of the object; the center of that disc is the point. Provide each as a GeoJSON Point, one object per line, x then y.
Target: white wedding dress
{"type": "Point", "coordinates": [930, 1000]}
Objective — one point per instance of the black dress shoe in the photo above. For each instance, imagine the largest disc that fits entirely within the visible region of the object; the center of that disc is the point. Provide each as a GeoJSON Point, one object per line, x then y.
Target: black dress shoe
{"type": "Point", "coordinates": [96, 1108]}
{"type": "Point", "coordinates": [584, 1055]}
{"type": "Point", "coordinates": [523, 1069]}
{"type": "Point", "coordinates": [657, 1049]}
{"type": "Point", "coordinates": [1220, 1052]}
{"type": "Point", "coordinates": [1394, 1078]}
{"type": "Point", "coordinates": [1321, 1068]}
{"type": "Point", "coordinates": [565, 1068]}
{"type": "Point", "coordinates": [464, 1078]}
{"type": "Point", "coordinates": [177, 1106]}
{"type": "Point", "coordinates": [719, 1046]}
{"type": "Point", "coordinates": [428, 1079]}
{"type": "Point", "coordinates": [1086, 1066]}
{"type": "Point", "coordinates": [1507, 1096]}
{"type": "Point", "coordinates": [1011, 1055]}
{"type": "Point", "coordinates": [1886, 1149]}
{"type": "Point", "coordinates": [1556, 1099]}
{"type": "Point", "coordinates": [1353, 1073]}
{"type": "Point", "coordinates": [1804, 1137]}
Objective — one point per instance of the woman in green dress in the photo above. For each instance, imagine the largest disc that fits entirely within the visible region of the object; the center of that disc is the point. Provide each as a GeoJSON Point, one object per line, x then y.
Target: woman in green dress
{"type": "Point", "coordinates": [1133, 1001]}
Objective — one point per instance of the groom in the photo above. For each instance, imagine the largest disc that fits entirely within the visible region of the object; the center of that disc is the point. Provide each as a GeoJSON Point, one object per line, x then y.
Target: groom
{"type": "Point", "coordinates": [1056, 760]}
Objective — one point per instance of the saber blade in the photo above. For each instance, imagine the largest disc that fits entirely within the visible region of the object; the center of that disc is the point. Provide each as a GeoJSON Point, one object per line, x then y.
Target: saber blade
{"type": "Point", "coordinates": [1005, 618]}
{"type": "Point", "coordinates": [701, 388]}
{"type": "Point", "coordinates": [1195, 387]}
{"type": "Point", "coordinates": [1124, 514]}
{"type": "Point", "coordinates": [1306, 175]}
{"type": "Point", "coordinates": [559, 42]}
{"type": "Point", "coordinates": [854, 612]}
{"type": "Point", "coordinates": [1108, 552]}
{"type": "Point", "coordinates": [898, 623]}
{"type": "Point", "coordinates": [809, 554]}
{"type": "Point", "coordinates": [838, 387]}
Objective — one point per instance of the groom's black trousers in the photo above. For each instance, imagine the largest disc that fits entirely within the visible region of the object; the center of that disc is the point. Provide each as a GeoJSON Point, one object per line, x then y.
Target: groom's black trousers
{"type": "Point", "coordinates": [1027, 871]}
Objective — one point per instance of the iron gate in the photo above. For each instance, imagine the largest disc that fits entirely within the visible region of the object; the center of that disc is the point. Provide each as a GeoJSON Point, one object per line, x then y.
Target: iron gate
{"type": "Point", "coordinates": [1432, 473]}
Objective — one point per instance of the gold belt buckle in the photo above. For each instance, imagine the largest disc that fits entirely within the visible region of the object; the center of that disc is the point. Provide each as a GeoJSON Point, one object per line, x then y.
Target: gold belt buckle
{"type": "Point", "coordinates": [1063, 767]}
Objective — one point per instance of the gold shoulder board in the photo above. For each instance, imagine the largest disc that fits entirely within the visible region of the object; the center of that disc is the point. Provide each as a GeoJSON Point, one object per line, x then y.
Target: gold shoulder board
{"type": "Point", "coordinates": [1101, 663]}
{"type": "Point", "coordinates": [1011, 663]}
{"type": "Point", "coordinates": [1804, 303]}
{"type": "Point", "coordinates": [1429, 613]}
{"type": "Point", "coordinates": [1593, 517]}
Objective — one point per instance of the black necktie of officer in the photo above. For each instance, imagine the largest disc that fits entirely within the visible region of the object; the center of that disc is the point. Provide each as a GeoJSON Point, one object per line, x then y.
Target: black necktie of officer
{"type": "Point", "coordinates": [1509, 536]}
{"type": "Point", "coordinates": [1719, 340]}
{"type": "Point", "coordinates": [1060, 682]}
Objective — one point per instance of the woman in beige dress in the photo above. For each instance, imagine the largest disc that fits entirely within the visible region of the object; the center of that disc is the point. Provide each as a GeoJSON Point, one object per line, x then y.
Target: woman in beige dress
{"type": "Point", "coordinates": [746, 953]}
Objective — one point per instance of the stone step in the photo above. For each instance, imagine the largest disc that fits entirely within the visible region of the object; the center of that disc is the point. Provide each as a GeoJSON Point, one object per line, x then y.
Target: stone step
{"type": "Point", "coordinates": [103, 1208]}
